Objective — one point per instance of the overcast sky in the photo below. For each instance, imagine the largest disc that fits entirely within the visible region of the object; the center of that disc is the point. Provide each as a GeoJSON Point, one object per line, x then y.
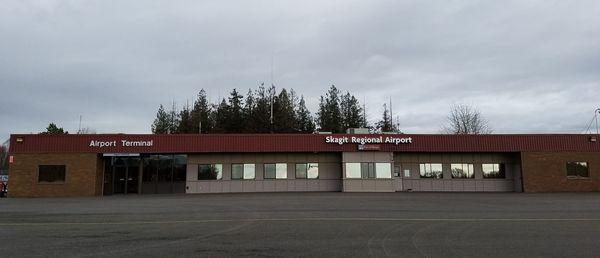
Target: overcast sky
{"type": "Point", "coordinates": [528, 66]}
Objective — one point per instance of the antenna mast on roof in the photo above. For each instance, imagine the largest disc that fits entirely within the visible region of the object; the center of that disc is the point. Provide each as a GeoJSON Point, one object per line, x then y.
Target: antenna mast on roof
{"type": "Point", "coordinates": [596, 115]}
{"type": "Point", "coordinates": [79, 129]}
{"type": "Point", "coordinates": [272, 91]}
{"type": "Point", "coordinates": [391, 115]}
{"type": "Point", "coordinates": [594, 120]}
{"type": "Point", "coordinates": [364, 111]}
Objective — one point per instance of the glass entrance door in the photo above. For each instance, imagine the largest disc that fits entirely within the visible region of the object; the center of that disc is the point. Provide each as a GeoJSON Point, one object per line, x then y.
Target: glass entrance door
{"type": "Point", "coordinates": [132, 179]}
{"type": "Point", "coordinates": [120, 180]}
{"type": "Point", "coordinates": [121, 175]}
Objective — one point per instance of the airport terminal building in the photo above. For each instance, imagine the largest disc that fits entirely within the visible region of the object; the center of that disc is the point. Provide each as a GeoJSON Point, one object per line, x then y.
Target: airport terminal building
{"type": "Point", "coordinates": [107, 164]}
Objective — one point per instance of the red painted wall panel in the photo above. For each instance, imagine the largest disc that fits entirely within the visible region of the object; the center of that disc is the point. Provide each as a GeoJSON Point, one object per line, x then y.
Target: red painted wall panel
{"type": "Point", "coordinates": [193, 143]}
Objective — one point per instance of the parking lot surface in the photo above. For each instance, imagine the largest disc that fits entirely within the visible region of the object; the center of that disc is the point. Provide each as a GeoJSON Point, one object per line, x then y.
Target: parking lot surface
{"type": "Point", "coordinates": [304, 224]}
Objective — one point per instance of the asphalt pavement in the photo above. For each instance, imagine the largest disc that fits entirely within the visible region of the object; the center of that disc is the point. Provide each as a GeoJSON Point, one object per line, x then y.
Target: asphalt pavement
{"type": "Point", "coordinates": [304, 224]}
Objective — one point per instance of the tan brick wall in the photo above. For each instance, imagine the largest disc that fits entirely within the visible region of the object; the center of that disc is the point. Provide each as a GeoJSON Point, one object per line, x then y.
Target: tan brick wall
{"type": "Point", "coordinates": [547, 172]}
{"type": "Point", "coordinates": [81, 178]}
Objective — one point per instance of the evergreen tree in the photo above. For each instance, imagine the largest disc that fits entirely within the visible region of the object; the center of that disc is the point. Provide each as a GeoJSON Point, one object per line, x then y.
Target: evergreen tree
{"type": "Point", "coordinates": [201, 114]}
{"type": "Point", "coordinates": [235, 114]}
{"type": "Point", "coordinates": [385, 124]}
{"type": "Point", "coordinates": [284, 117]}
{"type": "Point", "coordinates": [161, 122]}
{"type": "Point", "coordinates": [304, 120]}
{"type": "Point", "coordinates": [352, 113]}
{"type": "Point", "coordinates": [221, 116]}
{"type": "Point", "coordinates": [174, 119]}
{"type": "Point", "coordinates": [54, 129]}
{"type": "Point", "coordinates": [249, 108]}
{"type": "Point", "coordinates": [261, 119]}
{"type": "Point", "coordinates": [330, 117]}
{"type": "Point", "coordinates": [185, 122]}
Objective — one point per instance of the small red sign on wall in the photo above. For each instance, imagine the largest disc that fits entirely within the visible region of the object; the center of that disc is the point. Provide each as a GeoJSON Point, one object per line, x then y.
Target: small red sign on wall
{"type": "Point", "coordinates": [11, 159]}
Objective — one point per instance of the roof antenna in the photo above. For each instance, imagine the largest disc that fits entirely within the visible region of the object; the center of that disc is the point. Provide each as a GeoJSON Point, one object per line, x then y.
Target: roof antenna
{"type": "Point", "coordinates": [364, 111]}
{"type": "Point", "coordinates": [391, 116]}
{"type": "Point", "coordinates": [596, 115]}
{"type": "Point", "coordinates": [79, 129]}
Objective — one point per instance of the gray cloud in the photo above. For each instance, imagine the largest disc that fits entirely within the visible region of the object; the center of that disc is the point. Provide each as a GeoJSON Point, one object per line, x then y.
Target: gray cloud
{"type": "Point", "coordinates": [529, 66]}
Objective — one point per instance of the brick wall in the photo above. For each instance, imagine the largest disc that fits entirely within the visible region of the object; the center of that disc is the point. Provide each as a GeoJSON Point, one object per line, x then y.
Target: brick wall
{"type": "Point", "coordinates": [547, 172]}
{"type": "Point", "coordinates": [81, 179]}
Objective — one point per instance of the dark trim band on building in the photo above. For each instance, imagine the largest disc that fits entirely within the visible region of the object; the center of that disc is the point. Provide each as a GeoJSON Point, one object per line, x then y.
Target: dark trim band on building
{"type": "Point", "coordinates": [103, 164]}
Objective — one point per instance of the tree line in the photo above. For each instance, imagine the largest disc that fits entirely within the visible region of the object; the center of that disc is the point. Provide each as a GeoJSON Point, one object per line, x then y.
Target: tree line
{"type": "Point", "coordinates": [264, 110]}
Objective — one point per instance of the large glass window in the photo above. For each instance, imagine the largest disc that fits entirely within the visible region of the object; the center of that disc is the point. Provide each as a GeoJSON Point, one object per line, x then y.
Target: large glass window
{"type": "Point", "coordinates": [353, 170]}
{"type": "Point", "coordinates": [577, 169]}
{"type": "Point", "coordinates": [281, 170]}
{"type": "Point", "coordinates": [210, 172]}
{"type": "Point", "coordinates": [275, 171]}
{"type": "Point", "coordinates": [270, 171]}
{"type": "Point", "coordinates": [462, 170]}
{"type": "Point", "coordinates": [313, 170]}
{"type": "Point", "coordinates": [431, 170]}
{"type": "Point", "coordinates": [52, 173]}
{"type": "Point", "coordinates": [237, 171]}
{"type": "Point", "coordinates": [301, 171]}
{"type": "Point", "coordinates": [383, 170]}
{"type": "Point", "coordinates": [307, 170]}
{"type": "Point", "coordinates": [243, 171]}
{"type": "Point", "coordinates": [493, 170]}
{"type": "Point", "coordinates": [165, 173]}
{"type": "Point", "coordinates": [368, 170]}
{"type": "Point", "coordinates": [179, 168]}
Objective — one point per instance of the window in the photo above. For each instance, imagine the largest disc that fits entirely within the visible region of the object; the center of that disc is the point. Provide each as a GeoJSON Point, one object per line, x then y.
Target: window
{"type": "Point", "coordinates": [242, 171]}
{"type": "Point", "coordinates": [275, 171]}
{"type": "Point", "coordinates": [431, 170]}
{"type": "Point", "coordinates": [249, 171]}
{"type": "Point", "coordinates": [493, 170]}
{"type": "Point", "coordinates": [577, 170]}
{"type": "Point", "coordinates": [462, 170]}
{"type": "Point", "coordinates": [301, 171]}
{"type": "Point", "coordinates": [237, 171]}
{"type": "Point", "coordinates": [52, 173]}
{"type": "Point", "coordinates": [383, 170]}
{"type": "Point", "coordinates": [368, 170]}
{"type": "Point", "coordinates": [270, 171]}
{"type": "Point", "coordinates": [210, 172]}
{"type": "Point", "coordinates": [179, 168]}
{"type": "Point", "coordinates": [313, 170]}
{"type": "Point", "coordinates": [307, 170]}
{"type": "Point", "coordinates": [353, 170]}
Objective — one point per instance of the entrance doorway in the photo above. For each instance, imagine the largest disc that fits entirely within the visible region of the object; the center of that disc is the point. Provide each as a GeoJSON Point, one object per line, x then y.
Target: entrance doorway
{"type": "Point", "coordinates": [145, 174]}
{"type": "Point", "coordinates": [122, 175]}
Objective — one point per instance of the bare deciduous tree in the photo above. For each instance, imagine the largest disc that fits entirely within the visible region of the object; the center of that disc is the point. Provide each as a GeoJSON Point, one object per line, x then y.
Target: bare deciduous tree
{"type": "Point", "coordinates": [464, 119]}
